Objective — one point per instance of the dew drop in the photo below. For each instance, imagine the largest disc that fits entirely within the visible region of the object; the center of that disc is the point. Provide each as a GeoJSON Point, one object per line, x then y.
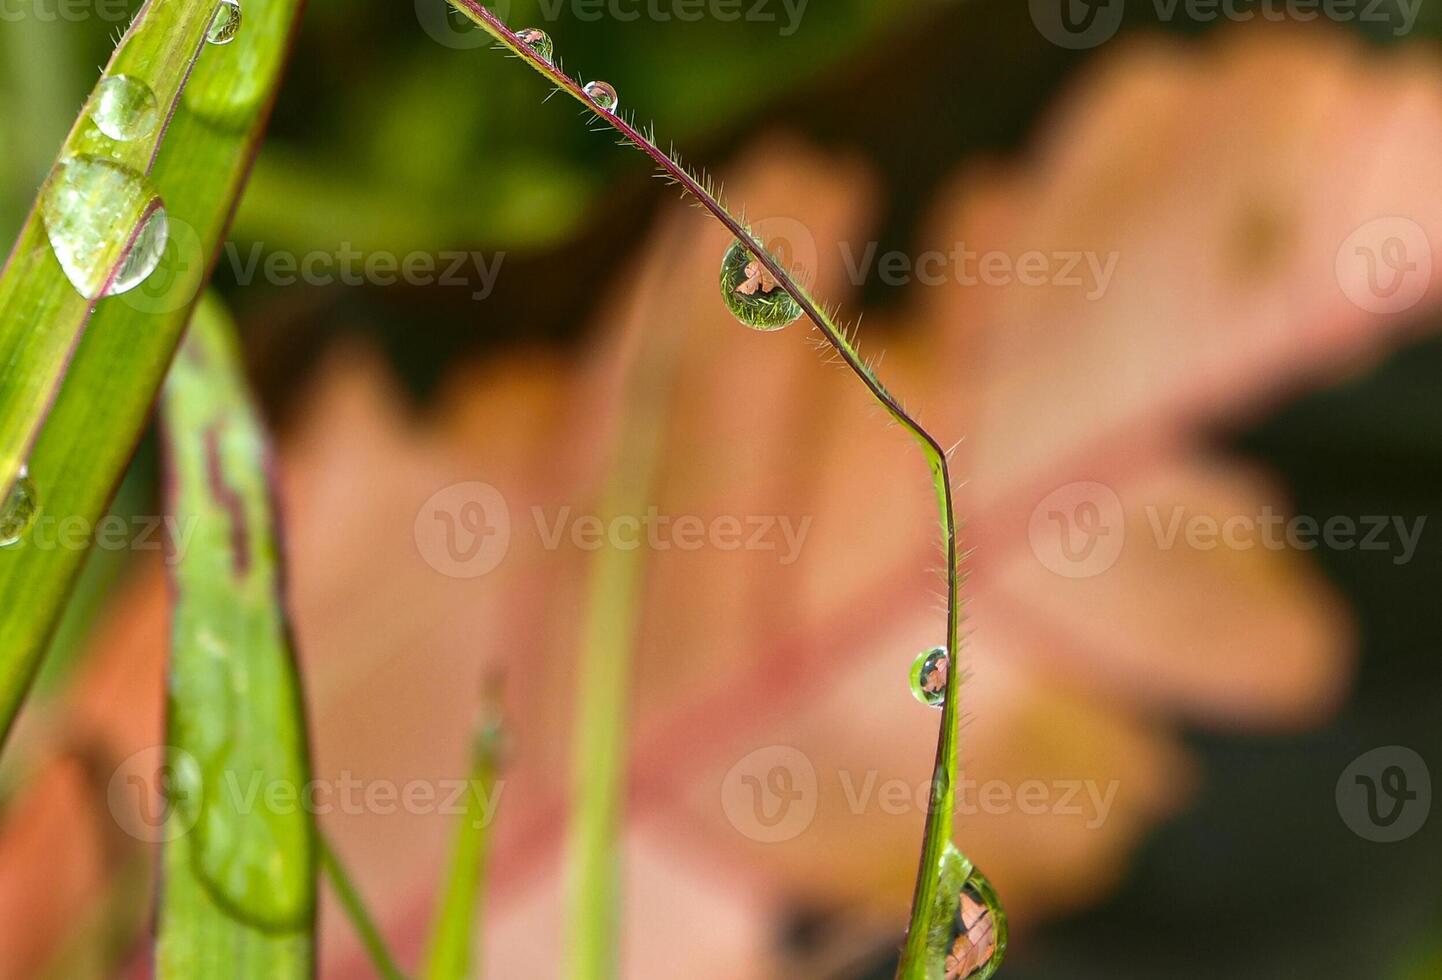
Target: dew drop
{"type": "Point", "coordinates": [539, 42]}
{"type": "Point", "coordinates": [603, 94]}
{"type": "Point", "coordinates": [928, 676]}
{"type": "Point", "coordinates": [21, 507]}
{"type": "Point", "coordinates": [125, 108]}
{"type": "Point", "coordinates": [752, 294]}
{"type": "Point", "coordinates": [225, 24]}
{"type": "Point", "coordinates": [978, 932]}
{"type": "Point", "coordinates": [90, 207]}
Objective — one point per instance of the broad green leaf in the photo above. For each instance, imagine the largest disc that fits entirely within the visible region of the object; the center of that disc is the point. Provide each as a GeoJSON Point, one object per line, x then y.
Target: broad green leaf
{"type": "Point", "coordinates": [451, 956]}
{"type": "Point", "coordinates": [82, 450]}
{"type": "Point", "coordinates": [238, 896]}
{"type": "Point", "coordinates": [95, 212]}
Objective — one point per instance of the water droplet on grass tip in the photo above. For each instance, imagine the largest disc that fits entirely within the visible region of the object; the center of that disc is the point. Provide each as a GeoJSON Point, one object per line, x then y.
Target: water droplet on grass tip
{"type": "Point", "coordinates": [603, 94]}
{"type": "Point", "coordinates": [225, 24]}
{"type": "Point", "coordinates": [19, 510]}
{"type": "Point", "coordinates": [928, 676]}
{"type": "Point", "coordinates": [752, 294]}
{"type": "Point", "coordinates": [539, 42]}
{"type": "Point", "coordinates": [978, 939]}
{"type": "Point", "coordinates": [90, 208]}
{"type": "Point", "coordinates": [125, 108]}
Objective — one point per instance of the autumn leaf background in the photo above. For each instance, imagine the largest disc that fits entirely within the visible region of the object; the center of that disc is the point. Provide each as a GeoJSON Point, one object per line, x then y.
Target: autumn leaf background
{"type": "Point", "coordinates": [1216, 354]}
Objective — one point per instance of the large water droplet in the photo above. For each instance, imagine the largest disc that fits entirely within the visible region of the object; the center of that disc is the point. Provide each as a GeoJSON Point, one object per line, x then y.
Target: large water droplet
{"type": "Point", "coordinates": [225, 25]}
{"type": "Point", "coordinates": [125, 108]}
{"type": "Point", "coordinates": [978, 934]}
{"type": "Point", "coordinates": [928, 676]}
{"type": "Point", "coordinates": [539, 42]}
{"type": "Point", "coordinates": [19, 511]}
{"type": "Point", "coordinates": [603, 94]}
{"type": "Point", "coordinates": [90, 208]}
{"type": "Point", "coordinates": [752, 294]}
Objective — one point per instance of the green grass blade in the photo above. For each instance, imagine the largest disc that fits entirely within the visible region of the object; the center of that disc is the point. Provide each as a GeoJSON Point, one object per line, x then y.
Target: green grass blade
{"type": "Point", "coordinates": [607, 641]}
{"type": "Point", "coordinates": [238, 895]}
{"type": "Point", "coordinates": [83, 448]}
{"type": "Point", "coordinates": [94, 202]}
{"type": "Point", "coordinates": [355, 909]}
{"type": "Point", "coordinates": [451, 956]}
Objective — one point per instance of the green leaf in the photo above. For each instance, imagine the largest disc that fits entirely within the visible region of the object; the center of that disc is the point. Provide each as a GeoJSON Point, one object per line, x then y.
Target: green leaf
{"type": "Point", "coordinates": [82, 450]}
{"type": "Point", "coordinates": [451, 956]}
{"type": "Point", "coordinates": [355, 909]}
{"type": "Point", "coordinates": [90, 211]}
{"type": "Point", "coordinates": [238, 897]}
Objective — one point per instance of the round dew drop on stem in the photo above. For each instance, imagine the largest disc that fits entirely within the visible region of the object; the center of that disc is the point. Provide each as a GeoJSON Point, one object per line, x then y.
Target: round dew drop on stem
{"type": "Point", "coordinates": [125, 108]}
{"type": "Point", "coordinates": [928, 676]}
{"type": "Point", "coordinates": [539, 42]}
{"type": "Point", "coordinates": [19, 510]}
{"type": "Point", "coordinates": [978, 934]}
{"type": "Point", "coordinates": [603, 94]}
{"type": "Point", "coordinates": [225, 24]}
{"type": "Point", "coordinates": [752, 294]}
{"type": "Point", "coordinates": [91, 207]}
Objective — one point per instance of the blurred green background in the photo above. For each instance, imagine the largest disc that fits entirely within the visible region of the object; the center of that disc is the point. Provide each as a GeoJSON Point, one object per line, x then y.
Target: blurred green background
{"type": "Point", "coordinates": [1249, 882]}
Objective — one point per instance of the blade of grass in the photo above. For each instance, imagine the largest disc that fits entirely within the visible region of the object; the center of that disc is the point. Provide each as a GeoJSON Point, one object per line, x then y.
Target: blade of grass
{"type": "Point", "coordinates": [355, 909]}
{"type": "Point", "coordinates": [42, 312]}
{"type": "Point", "coordinates": [90, 434]}
{"type": "Point", "coordinates": [607, 641]}
{"type": "Point", "coordinates": [916, 958]}
{"type": "Point", "coordinates": [239, 869]}
{"type": "Point", "coordinates": [451, 956]}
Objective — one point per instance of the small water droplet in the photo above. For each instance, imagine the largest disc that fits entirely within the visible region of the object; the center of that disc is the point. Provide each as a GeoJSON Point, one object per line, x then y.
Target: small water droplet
{"type": "Point", "coordinates": [125, 108]}
{"type": "Point", "coordinates": [90, 208]}
{"type": "Point", "coordinates": [603, 94]}
{"type": "Point", "coordinates": [539, 42]}
{"type": "Point", "coordinates": [21, 507]}
{"type": "Point", "coordinates": [752, 294]}
{"type": "Point", "coordinates": [978, 934]}
{"type": "Point", "coordinates": [225, 25]}
{"type": "Point", "coordinates": [928, 676]}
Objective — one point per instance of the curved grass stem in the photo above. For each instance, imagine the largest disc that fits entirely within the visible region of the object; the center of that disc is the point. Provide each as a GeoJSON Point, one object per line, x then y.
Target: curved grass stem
{"type": "Point", "coordinates": [941, 804]}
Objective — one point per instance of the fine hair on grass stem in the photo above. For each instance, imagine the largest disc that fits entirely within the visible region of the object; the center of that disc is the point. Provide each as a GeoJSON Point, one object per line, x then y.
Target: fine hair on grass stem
{"type": "Point", "coordinates": [919, 957]}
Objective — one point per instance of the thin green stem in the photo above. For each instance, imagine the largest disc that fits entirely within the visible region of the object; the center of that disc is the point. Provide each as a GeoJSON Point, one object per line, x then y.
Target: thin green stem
{"type": "Point", "coordinates": [355, 909]}
{"type": "Point", "coordinates": [942, 799]}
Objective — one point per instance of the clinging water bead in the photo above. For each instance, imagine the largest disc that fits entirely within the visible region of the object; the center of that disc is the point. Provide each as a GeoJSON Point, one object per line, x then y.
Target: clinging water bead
{"type": "Point", "coordinates": [603, 94]}
{"type": "Point", "coordinates": [539, 42]}
{"type": "Point", "coordinates": [752, 293]}
{"type": "Point", "coordinates": [225, 25]}
{"type": "Point", "coordinates": [978, 933]}
{"type": "Point", "coordinates": [19, 510]}
{"type": "Point", "coordinates": [91, 207]}
{"type": "Point", "coordinates": [125, 108]}
{"type": "Point", "coordinates": [928, 676]}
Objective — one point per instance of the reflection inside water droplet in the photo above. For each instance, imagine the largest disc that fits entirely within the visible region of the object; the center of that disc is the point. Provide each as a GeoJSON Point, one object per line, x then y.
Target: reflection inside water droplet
{"type": "Point", "coordinates": [125, 108]}
{"type": "Point", "coordinates": [90, 208]}
{"type": "Point", "coordinates": [539, 42]}
{"type": "Point", "coordinates": [19, 510]}
{"type": "Point", "coordinates": [225, 25]}
{"type": "Point", "coordinates": [978, 939]}
{"type": "Point", "coordinates": [752, 293]}
{"type": "Point", "coordinates": [603, 94]}
{"type": "Point", "coordinates": [928, 676]}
